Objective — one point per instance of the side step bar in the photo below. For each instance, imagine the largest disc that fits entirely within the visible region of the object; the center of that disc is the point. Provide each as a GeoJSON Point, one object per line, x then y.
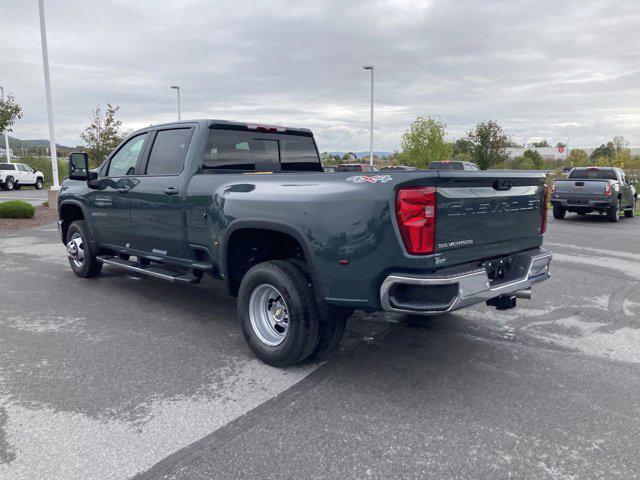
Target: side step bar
{"type": "Point", "coordinates": [149, 270]}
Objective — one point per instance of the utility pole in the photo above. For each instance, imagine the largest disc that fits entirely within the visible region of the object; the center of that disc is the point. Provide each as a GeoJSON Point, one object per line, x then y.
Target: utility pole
{"type": "Point", "coordinates": [177, 89]}
{"type": "Point", "coordinates": [6, 138]}
{"type": "Point", "coordinates": [370, 67]}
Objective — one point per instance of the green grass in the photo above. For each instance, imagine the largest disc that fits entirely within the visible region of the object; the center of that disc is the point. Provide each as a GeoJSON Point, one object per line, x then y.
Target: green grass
{"type": "Point", "coordinates": [44, 165]}
{"type": "Point", "coordinates": [16, 209]}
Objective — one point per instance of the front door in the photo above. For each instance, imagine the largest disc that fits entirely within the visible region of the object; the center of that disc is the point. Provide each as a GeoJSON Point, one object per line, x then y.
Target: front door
{"type": "Point", "coordinates": [109, 203]}
{"type": "Point", "coordinates": [157, 201]}
{"type": "Point", "coordinates": [27, 175]}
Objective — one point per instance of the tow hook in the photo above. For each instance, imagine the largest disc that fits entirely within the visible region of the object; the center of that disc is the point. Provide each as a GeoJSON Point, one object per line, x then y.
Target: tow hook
{"type": "Point", "coordinates": [503, 302]}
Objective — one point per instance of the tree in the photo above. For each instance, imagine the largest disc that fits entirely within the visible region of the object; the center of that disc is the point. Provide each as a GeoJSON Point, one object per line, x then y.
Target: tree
{"type": "Point", "coordinates": [10, 111]}
{"type": "Point", "coordinates": [620, 143]}
{"type": "Point", "coordinates": [561, 144]}
{"type": "Point", "coordinates": [577, 158]}
{"type": "Point", "coordinates": [541, 144]}
{"type": "Point", "coordinates": [489, 144]}
{"type": "Point", "coordinates": [102, 134]}
{"type": "Point", "coordinates": [532, 159]}
{"type": "Point", "coordinates": [462, 150]}
{"type": "Point", "coordinates": [424, 142]}
{"type": "Point", "coordinates": [604, 154]}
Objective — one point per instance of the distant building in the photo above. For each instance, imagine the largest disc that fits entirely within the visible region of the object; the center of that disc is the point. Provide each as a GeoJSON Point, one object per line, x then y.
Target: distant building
{"type": "Point", "coordinates": [3, 152]}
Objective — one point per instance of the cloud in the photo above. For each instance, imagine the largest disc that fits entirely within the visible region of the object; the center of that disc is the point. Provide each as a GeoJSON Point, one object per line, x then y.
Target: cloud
{"type": "Point", "coordinates": [541, 68]}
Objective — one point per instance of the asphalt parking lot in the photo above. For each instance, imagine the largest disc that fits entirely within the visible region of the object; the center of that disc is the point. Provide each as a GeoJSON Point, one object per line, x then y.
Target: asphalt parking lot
{"type": "Point", "coordinates": [26, 194]}
{"type": "Point", "coordinates": [120, 377]}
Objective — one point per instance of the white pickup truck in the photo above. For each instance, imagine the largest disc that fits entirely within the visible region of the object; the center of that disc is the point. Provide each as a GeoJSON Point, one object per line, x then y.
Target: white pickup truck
{"type": "Point", "coordinates": [16, 175]}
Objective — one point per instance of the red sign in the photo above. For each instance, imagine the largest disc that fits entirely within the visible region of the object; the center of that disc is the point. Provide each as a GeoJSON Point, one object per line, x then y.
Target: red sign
{"type": "Point", "coordinates": [560, 149]}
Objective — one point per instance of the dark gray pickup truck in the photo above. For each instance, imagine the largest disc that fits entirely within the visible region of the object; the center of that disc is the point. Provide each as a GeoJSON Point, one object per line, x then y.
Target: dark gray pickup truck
{"type": "Point", "coordinates": [301, 248]}
{"type": "Point", "coordinates": [594, 189]}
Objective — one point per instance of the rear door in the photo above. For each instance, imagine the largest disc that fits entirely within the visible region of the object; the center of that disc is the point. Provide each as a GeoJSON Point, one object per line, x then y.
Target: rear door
{"type": "Point", "coordinates": [484, 214]}
{"type": "Point", "coordinates": [157, 200]}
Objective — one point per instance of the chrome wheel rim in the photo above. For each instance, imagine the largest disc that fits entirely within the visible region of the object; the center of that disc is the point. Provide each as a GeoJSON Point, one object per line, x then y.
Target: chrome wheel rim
{"type": "Point", "coordinates": [75, 249]}
{"type": "Point", "coordinates": [269, 315]}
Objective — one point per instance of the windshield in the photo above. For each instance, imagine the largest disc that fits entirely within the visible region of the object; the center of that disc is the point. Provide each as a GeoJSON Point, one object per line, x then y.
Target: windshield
{"type": "Point", "coordinates": [593, 174]}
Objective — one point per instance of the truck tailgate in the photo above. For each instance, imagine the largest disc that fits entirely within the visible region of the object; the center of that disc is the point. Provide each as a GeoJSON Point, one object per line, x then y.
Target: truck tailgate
{"type": "Point", "coordinates": [580, 187]}
{"type": "Point", "coordinates": [487, 214]}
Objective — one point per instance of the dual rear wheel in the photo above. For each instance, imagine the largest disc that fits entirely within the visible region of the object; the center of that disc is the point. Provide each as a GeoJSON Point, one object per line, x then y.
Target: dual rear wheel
{"type": "Point", "coordinates": [280, 317]}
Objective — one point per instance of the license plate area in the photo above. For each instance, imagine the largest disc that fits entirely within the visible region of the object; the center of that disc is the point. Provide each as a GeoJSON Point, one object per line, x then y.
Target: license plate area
{"type": "Point", "coordinates": [506, 269]}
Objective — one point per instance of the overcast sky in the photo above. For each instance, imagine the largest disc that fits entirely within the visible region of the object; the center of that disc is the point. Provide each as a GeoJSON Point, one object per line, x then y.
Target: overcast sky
{"type": "Point", "coordinates": [553, 69]}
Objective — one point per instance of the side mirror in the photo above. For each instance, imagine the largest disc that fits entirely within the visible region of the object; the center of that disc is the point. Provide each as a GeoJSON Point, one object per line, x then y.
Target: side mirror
{"type": "Point", "coordinates": [79, 166]}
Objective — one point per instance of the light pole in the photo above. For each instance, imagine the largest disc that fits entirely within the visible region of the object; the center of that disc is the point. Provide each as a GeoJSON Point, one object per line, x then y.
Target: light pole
{"type": "Point", "coordinates": [6, 138]}
{"type": "Point", "coordinates": [47, 88]}
{"type": "Point", "coordinates": [370, 67]}
{"type": "Point", "coordinates": [177, 89]}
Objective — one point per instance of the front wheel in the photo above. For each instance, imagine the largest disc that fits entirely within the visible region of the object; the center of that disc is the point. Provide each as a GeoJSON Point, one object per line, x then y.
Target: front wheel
{"type": "Point", "coordinates": [276, 313]}
{"type": "Point", "coordinates": [81, 258]}
{"type": "Point", "coordinates": [39, 184]}
{"type": "Point", "coordinates": [559, 212]}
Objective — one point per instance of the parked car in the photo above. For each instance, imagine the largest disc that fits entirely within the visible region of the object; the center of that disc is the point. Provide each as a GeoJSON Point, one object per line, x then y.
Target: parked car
{"type": "Point", "coordinates": [395, 168]}
{"type": "Point", "coordinates": [251, 206]}
{"type": "Point", "coordinates": [329, 169]}
{"type": "Point", "coordinates": [17, 175]}
{"type": "Point", "coordinates": [355, 167]}
{"type": "Point", "coordinates": [453, 165]}
{"type": "Point", "coordinates": [594, 189]}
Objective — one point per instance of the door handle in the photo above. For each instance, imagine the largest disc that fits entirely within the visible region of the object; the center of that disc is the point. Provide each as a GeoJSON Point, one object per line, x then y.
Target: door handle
{"type": "Point", "coordinates": [123, 189]}
{"type": "Point", "coordinates": [171, 191]}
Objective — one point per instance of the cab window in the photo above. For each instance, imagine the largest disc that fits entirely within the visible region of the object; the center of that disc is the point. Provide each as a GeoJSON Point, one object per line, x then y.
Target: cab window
{"type": "Point", "coordinates": [169, 151]}
{"type": "Point", "coordinates": [124, 161]}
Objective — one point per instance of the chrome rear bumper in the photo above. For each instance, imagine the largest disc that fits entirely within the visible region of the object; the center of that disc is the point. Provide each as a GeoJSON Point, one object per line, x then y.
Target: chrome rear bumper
{"type": "Point", "coordinates": [472, 287]}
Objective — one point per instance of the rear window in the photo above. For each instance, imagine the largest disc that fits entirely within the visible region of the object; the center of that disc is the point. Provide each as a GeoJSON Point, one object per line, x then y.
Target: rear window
{"type": "Point", "coordinates": [6, 166]}
{"type": "Point", "coordinates": [260, 151]}
{"type": "Point", "coordinates": [349, 168]}
{"type": "Point", "coordinates": [446, 166]}
{"type": "Point", "coordinates": [593, 174]}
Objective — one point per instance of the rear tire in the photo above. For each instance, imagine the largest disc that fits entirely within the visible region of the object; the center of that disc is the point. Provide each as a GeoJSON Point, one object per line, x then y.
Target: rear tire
{"type": "Point", "coordinates": [9, 184]}
{"type": "Point", "coordinates": [613, 213]}
{"type": "Point", "coordinates": [276, 312]}
{"type": "Point", "coordinates": [333, 321]}
{"type": "Point", "coordinates": [629, 213]}
{"type": "Point", "coordinates": [84, 263]}
{"type": "Point", "coordinates": [559, 212]}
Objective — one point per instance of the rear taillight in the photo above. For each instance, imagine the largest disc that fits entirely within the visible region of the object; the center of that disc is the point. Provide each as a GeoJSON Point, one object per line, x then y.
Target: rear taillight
{"type": "Point", "coordinates": [553, 187]}
{"type": "Point", "coordinates": [543, 226]}
{"type": "Point", "coordinates": [607, 188]}
{"type": "Point", "coordinates": [416, 213]}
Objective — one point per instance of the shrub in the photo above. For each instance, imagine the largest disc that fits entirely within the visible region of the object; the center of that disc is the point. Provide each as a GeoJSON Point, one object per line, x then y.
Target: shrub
{"type": "Point", "coordinates": [16, 209]}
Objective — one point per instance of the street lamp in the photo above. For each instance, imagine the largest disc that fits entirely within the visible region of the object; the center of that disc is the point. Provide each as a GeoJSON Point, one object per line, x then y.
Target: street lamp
{"type": "Point", "coordinates": [370, 67]}
{"type": "Point", "coordinates": [6, 139]}
{"type": "Point", "coordinates": [47, 88]}
{"type": "Point", "coordinates": [177, 89]}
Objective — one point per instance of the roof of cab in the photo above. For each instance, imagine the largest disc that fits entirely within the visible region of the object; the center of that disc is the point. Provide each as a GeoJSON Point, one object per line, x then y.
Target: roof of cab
{"type": "Point", "coordinates": [208, 122]}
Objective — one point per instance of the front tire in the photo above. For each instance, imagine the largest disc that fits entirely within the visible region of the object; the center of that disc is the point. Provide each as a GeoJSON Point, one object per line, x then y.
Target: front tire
{"type": "Point", "coordinates": [39, 184]}
{"type": "Point", "coordinates": [559, 212]}
{"type": "Point", "coordinates": [613, 213]}
{"type": "Point", "coordinates": [275, 308]}
{"type": "Point", "coordinates": [81, 258]}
